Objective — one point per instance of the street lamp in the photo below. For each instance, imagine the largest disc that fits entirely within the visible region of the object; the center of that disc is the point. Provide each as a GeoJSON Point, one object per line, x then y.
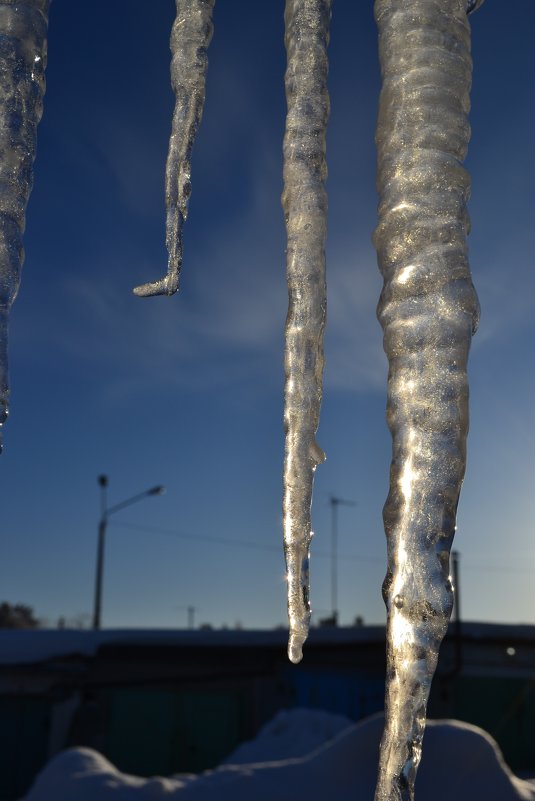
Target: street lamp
{"type": "Point", "coordinates": [105, 512]}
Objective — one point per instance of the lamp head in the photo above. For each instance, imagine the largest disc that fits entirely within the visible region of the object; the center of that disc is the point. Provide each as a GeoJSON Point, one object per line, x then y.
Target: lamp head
{"type": "Point", "coordinates": [159, 490]}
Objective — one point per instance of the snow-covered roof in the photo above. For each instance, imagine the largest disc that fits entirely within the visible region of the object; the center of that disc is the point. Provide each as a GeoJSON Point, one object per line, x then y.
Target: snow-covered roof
{"type": "Point", "coordinates": [24, 647]}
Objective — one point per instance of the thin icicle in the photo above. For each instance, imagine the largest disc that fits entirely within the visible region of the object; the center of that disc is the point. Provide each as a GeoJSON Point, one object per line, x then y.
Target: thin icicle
{"type": "Point", "coordinates": [23, 50]}
{"type": "Point", "coordinates": [305, 207]}
{"type": "Point", "coordinates": [190, 37]}
{"type": "Point", "coordinates": [428, 310]}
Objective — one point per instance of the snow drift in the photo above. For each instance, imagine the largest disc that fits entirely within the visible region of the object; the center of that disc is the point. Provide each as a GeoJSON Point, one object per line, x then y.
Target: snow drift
{"type": "Point", "coordinates": [301, 754]}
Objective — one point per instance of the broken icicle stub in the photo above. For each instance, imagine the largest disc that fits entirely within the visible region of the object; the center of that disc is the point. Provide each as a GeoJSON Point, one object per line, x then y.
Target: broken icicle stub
{"type": "Point", "coordinates": [190, 37]}
{"type": "Point", "coordinates": [304, 200]}
{"type": "Point", "coordinates": [428, 310]}
{"type": "Point", "coordinates": [23, 52]}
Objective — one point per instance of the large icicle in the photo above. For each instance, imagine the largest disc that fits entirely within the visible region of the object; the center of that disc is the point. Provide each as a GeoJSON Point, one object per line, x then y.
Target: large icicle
{"type": "Point", "coordinates": [190, 37]}
{"type": "Point", "coordinates": [305, 207]}
{"type": "Point", "coordinates": [429, 311]}
{"type": "Point", "coordinates": [23, 43]}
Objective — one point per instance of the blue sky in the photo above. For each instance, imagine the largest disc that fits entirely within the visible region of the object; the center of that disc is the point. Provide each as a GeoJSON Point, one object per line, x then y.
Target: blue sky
{"type": "Point", "coordinates": [187, 391]}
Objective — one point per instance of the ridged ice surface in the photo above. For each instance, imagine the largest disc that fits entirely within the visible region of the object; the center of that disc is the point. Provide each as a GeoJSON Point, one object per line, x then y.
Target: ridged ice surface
{"type": "Point", "coordinates": [305, 208]}
{"type": "Point", "coordinates": [428, 310]}
{"type": "Point", "coordinates": [23, 32]}
{"type": "Point", "coordinates": [190, 37]}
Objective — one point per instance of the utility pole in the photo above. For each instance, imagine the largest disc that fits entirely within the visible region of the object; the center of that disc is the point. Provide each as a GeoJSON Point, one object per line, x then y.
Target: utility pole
{"type": "Point", "coordinates": [455, 558]}
{"type": "Point", "coordinates": [191, 616]}
{"type": "Point", "coordinates": [335, 503]}
{"type": "Point", "coordinates": [103, 483]}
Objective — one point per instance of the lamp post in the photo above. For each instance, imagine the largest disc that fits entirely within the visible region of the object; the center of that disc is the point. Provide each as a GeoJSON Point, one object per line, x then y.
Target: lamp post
{"type": "Point", "coordinates": [105, 512]}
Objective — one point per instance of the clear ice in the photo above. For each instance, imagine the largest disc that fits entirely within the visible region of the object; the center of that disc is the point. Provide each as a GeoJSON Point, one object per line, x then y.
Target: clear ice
{"type": "Point", "coordinates": [304, 201]}
{"type": "Point", "coordinates": [190, 37]}
{"type": "Point", "coordinates": [23, 51]}
{"type": "Point", "coordinates": [428, 310]}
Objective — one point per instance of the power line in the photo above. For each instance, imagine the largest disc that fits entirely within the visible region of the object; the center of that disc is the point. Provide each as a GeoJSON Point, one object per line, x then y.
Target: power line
{"type": "Point", "coordinates": [198, 537]}
{"type": "Point", "coordinates": [261, 546]}
{"type": "Point", "coordinates": [498, 568]}
{"type": "Point", "coordinates": [232, 542]}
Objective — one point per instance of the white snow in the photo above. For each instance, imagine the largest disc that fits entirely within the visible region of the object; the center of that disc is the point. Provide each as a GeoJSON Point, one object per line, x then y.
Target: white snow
{"type": "Point", "coordinates": [291, 733]}
{"type": "Point", "coordinates": [301, 755]}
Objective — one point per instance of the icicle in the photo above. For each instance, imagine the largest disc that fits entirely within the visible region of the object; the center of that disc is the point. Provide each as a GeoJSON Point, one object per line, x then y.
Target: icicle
{"type": "Point", "coordinates": [190, 37]}
{"type": "Point", "coordinates": [23, 32]}
{"type": "Point", "coordinates": [428, 310]}
{"type": "Point", "coordinates": [305, 207]}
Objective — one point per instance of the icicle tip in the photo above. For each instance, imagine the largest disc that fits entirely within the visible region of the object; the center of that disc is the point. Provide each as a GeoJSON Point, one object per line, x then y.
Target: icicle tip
{"type": "Point", "coordinates": [164, 286]}
{"type": "Point", "coordinates": [295, 647]}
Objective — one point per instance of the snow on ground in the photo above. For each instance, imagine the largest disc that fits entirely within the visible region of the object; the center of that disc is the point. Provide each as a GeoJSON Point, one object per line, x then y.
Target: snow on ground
{"type": "Point", "coordinates": [291, 733]}
{"type": "Point", "coordinates": [301, 755]}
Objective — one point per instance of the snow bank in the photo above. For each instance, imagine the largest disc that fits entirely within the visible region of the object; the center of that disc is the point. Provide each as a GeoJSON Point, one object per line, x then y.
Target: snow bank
{"type": "Point", "coordinates": [291, 733]}
{"type": "Point", "coordinates": [460, 762]}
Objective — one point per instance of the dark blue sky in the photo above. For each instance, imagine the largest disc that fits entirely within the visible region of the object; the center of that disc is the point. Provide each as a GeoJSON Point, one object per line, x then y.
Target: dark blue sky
{"type": "Point", "coordinates": [187, 391]}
